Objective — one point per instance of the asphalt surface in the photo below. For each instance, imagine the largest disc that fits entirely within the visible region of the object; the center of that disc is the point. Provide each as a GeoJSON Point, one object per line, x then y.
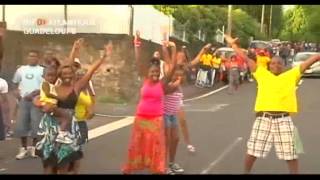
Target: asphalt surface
{"type": "Point", "coordinates": [219, 127]}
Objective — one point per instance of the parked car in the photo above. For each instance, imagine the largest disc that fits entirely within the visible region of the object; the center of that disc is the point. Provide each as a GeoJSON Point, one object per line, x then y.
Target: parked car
{"type": "Point", "coordinates": [300, 57]}
{"type": "Point", "coordinates": [261, 45]}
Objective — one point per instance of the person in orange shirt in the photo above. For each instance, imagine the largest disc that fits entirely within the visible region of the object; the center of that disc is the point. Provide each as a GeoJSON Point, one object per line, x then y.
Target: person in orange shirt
{"type": "Point", "coordinates": [233, 69]}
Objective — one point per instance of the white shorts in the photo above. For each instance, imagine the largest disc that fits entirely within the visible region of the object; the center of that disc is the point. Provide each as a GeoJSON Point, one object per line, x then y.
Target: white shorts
{"type": "Point", "coordinates": [267, 131]}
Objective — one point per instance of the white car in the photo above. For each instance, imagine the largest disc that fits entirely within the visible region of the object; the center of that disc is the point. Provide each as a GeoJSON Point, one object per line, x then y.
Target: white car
{"type": "Point", "coordinates": [226, 51]}
{"type": "Point", "coordinates": [300, 57]}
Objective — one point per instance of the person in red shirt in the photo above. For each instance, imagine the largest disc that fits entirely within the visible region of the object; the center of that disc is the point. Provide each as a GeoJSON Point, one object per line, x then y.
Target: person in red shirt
{"type": "Point", "coordinates": [267, 52]}
{"type": "Point", "coordinates": [242, 67]}
{"type": "Point", "coordinates": [233, 69]}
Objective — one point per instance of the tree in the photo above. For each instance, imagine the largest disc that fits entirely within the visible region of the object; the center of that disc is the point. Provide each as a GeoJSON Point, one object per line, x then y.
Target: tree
{"type": "Point", "coordinates": [256, 12]}
{"type": "Point", "coordinates": [166, 9]}
{"type": "Point", "coordinates": [208, 18]}
{"type": "Point", "coordinates": [295, 24]}
{"type": "Point", "coordinates": [312, 22]}
{"type": "Point", "coordinates": [245, 26]}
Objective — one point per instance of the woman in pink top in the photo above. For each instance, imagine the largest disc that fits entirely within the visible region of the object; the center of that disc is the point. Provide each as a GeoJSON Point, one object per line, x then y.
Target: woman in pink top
{"type": "Point", "coordinates": [147, 144]}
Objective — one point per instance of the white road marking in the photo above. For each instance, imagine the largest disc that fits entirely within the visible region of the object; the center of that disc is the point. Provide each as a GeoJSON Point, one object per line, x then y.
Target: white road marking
{"type": "Point", "coordinates": [111, 116]}
{"type": "Point", "coordinates": [3, 169]}
{"type": "Point", "coordinates": [212, 109]}
{"type": "Point", "coordinates": [207, 94]}
{"type": "Point", "coordinates": [126, 121]}
{"type": "Point", "coordinates": [105, 129]}
{"type": "Point", "coordinates": [224, 153]}
{"type": "Point", "coordinates": [186, 100]}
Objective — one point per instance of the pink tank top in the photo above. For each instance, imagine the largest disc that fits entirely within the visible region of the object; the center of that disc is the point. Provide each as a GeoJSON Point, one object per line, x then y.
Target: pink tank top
{"type": "Point", "coordinates": [151, 100]}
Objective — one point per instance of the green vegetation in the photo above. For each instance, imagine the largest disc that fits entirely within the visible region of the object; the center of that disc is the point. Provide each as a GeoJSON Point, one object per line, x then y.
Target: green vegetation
{"type": "Point", "coordinates": [209, 18]}
{"type": "Point", "coordinates": [302, 23]}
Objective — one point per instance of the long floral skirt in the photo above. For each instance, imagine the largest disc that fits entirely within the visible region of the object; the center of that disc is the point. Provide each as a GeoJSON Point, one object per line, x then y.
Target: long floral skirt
{"type": "Point", "coordinates": [147, 148]}
{"type": "Point", "coordinates": [53, 153]}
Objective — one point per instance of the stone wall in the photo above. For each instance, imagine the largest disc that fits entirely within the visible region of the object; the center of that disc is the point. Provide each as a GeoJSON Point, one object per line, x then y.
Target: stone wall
{"type": "Point", "coordinates": [118, 78]}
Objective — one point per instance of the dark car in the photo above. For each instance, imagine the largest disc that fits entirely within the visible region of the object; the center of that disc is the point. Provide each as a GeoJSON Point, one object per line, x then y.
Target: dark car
{"type": "Point", "coordinates": [260, 45]}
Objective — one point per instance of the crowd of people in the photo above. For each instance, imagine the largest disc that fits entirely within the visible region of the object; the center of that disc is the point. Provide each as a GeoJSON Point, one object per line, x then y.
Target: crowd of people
{"type": "Point", "coordinates": [216, 66]}
{"type": "Point", "coordinates": [56, 98]}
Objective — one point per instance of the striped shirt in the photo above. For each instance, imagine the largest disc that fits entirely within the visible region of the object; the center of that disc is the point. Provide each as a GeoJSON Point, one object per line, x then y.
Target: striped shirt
{"type": "Point", "coordinates": [172, 102]}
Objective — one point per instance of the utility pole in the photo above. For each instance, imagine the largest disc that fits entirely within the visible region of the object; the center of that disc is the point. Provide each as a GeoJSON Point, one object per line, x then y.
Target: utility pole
{"type": "Point", "coordinates": [66, 16]}
{"type": "Point", "coordinates": [3, 13]}
{"type": "Point", "coordinates": [262, 19]}
{"type": "Point", "coordinates": [270, 25]}
{"type": "Point", "coordinates": [131, 20]}
{"type": "Point", "coordinates": [229, 20]}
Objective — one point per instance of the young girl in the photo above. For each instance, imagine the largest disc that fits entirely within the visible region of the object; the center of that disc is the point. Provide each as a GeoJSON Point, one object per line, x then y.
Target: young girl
{"type": "Point", "coordinates": [183, 64]}
{"type": "Point", "coordinates": [84, 108]}
{"type": "Point", "coordinates": [147, 145]}
{"type": "Point", "coordinates": [48, 101]}
{"type": "Point", "coordinates": [172, 103]}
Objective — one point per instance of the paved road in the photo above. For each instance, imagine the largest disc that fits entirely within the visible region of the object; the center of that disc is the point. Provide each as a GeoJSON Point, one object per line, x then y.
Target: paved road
{"type": "Point", "coordinates": [219, 126]}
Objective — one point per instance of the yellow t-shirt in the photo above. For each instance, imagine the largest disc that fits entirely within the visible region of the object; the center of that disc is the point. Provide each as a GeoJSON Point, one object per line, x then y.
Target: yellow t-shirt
{"type": "Point", "coordinates": [84, 102]}
{"type": "Point", "coordinates": [263, 61]}
{"type": "Point", "coordinates": [277, 93]}
{"type": "Point", "coordinates": [216, 62]}
{"type": "Point", "coordinates": [206, 59]}
{"type": "Point", "coordinates": [44, 99]}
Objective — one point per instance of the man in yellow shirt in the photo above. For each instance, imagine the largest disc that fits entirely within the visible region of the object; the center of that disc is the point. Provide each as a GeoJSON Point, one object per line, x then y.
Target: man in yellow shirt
{"type": "Point", "coordinates": [216, 62]}
{"type": "Point", "coordinates": [206, 62]}
{"type": "Point", "coordinates": [276, 99]}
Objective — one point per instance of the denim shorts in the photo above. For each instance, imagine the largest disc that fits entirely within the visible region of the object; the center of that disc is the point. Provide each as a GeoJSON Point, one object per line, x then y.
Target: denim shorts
{"type": "Point", "coordinates": [171, 121]}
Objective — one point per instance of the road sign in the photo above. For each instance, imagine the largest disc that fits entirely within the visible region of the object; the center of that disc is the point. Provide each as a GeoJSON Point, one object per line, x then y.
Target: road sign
{"type": "Point", "coordinates": [219, 36]}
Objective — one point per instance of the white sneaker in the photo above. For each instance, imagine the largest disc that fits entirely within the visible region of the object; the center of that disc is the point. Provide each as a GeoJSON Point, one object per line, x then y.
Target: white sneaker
{"type": "Point", "coordinates": [64, 137]}
{"type": "Point", "coordinates": [191, 148]}
{"type": "Point", "coordinates": [170, 172]}
{"type": "Point", "coordinates": [32, 151]}
{"type": "Point", "coordinates": [23, 153]}
{"type": "Point", "coordinates": [176, 168]}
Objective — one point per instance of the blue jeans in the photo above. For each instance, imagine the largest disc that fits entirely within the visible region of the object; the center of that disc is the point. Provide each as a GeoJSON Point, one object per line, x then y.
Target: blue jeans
{"type": "Point", "coordinates": [28, 119]}
{"type": "Point", "coordinates": [171, 121]}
